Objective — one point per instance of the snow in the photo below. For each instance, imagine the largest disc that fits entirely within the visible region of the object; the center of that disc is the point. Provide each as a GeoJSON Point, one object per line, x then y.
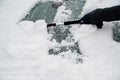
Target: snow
{"type": "Point", "coordinates": [101, 51]}
{"type": "Point", "coordinates": [62, 14]}
{"type": "Point", "coordinates": [79, 31]}
{"type": "Point", "coordinates": [91, 5]}
{"type": "Point", "coordinates": [25, 41]}
{"type": "Point", "coordinates": [11, 12]}
{"type": "Point", "coordinates": [24, 47]}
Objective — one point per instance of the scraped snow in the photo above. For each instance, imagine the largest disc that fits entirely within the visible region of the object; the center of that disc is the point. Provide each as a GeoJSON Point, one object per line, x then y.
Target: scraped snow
{"type": "Point", "coordinates": [62, 14]}
{"type": "Point", "coordinates": [24, 48]}
{"type": "Point", "coordinates": [79, 31]}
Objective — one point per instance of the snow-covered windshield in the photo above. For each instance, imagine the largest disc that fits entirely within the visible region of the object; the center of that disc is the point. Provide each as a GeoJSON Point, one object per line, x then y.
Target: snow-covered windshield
{"type": "Point", "coordinates": [78, 52]}
{"type": "Point", "coordinates": [60, 11]}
